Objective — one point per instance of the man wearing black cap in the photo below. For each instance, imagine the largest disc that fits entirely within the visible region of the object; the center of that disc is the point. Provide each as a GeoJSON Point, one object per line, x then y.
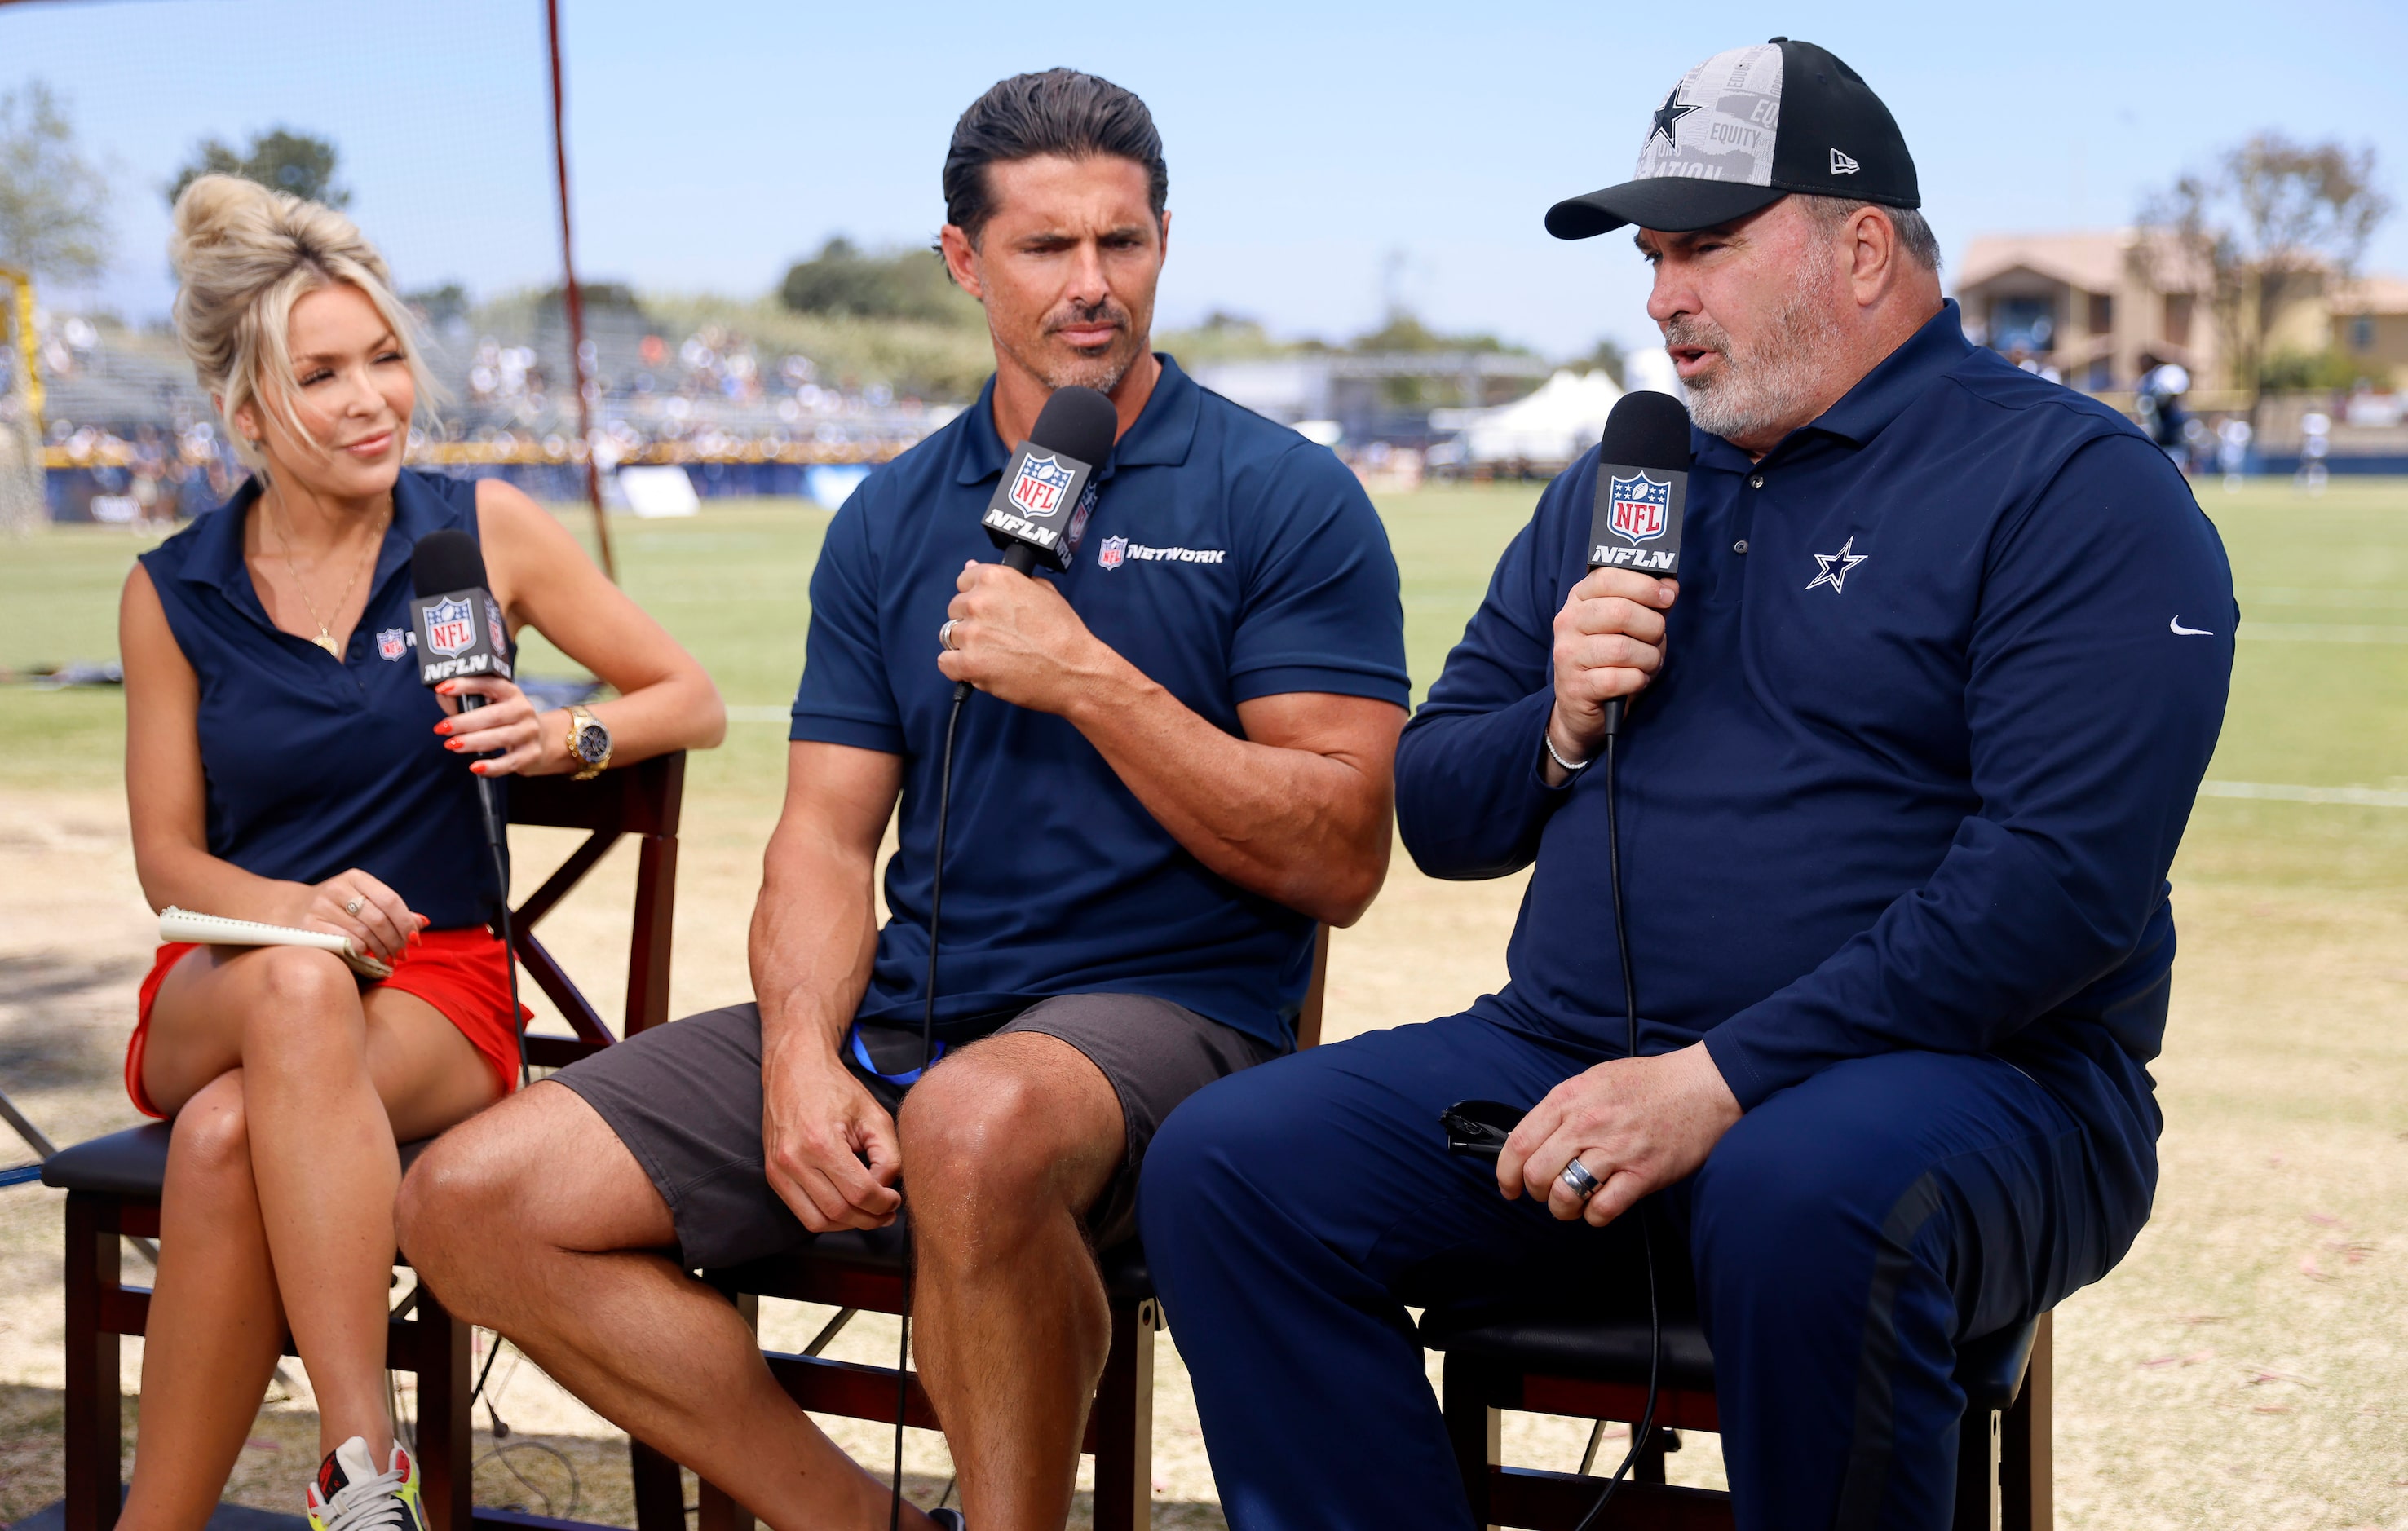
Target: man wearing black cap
{"type": "Point", "coordinates": [1909, 751]}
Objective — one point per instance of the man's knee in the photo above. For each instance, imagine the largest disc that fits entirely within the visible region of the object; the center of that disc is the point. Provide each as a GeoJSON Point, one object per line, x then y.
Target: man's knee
{"type": "Point", "coordinates": [965, 1125]}
{"type": "Point", "coordinates": [472, 1197]}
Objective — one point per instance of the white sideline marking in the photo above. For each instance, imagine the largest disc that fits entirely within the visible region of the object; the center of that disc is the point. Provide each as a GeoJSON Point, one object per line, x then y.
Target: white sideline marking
{"type": "Point", "coordinates": [2272, 791]}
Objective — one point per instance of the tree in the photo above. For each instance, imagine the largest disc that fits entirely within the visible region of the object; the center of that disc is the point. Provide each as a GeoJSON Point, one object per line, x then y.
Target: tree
{"type": "Point", "coordinates": [2271, 223]}
{"type": "Point", "coordinates": [281, 159]}
{"type": "Point", "coordinates": [53, 202]}
{"type": "Point", "coordinates": [845, 282]}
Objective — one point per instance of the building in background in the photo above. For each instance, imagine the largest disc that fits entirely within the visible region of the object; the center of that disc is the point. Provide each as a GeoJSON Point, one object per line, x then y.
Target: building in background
{"type": "Point", "coordinates": [2370, 326]}
{"type": "Point", "coordinates": [2092, 303]}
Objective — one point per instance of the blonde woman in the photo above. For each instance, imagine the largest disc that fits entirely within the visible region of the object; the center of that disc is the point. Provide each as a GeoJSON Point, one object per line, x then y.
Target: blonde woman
{"type": "Point", "coordinates": [284, 765]}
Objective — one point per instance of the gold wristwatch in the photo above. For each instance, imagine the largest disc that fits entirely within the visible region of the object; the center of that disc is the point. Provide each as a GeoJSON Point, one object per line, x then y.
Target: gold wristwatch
{"type": "Point", "coordinates": [588, 743]}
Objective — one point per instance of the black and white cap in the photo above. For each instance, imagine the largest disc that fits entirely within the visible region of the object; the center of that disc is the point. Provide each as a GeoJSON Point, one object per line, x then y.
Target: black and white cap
{"type": "Point", "coordinates": [1745, 129]}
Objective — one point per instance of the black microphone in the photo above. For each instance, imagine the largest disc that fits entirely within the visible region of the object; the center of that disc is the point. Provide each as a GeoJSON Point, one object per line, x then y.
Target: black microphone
{"type": "Point", "coordinates": [460, 631]}
{"type": "Point", "coordinates": [1041, 508]}
{"type": "Point", "coordinates": [1643, 488]}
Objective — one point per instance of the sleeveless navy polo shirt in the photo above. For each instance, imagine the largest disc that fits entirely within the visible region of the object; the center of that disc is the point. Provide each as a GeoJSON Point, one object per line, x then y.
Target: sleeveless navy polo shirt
{"type": "Point", "coordinates": [315, 767]}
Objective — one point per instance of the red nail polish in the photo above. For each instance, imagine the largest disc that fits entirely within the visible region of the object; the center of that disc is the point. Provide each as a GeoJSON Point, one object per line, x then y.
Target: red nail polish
{"type": "Point", "coordinates": [443, 727]}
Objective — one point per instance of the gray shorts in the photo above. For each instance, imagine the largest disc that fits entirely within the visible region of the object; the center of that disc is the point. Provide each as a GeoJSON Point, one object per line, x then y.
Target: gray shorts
{"type": "Point", "coordinates": [686, 1100]}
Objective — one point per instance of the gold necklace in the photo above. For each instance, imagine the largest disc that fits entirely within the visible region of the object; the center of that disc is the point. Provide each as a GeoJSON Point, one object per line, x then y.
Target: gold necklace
{"type": "Point", "coordinates": [325, 639]}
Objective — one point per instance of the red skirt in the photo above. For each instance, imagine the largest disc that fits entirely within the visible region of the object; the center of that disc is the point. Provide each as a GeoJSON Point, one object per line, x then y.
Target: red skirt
{"type": "Point", "coordinates": [465, 974]}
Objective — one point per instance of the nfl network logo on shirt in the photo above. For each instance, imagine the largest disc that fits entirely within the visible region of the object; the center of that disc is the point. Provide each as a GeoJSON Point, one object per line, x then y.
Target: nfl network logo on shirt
{"type": "Point", "coordinates": [1638, 505]}
{"type": "Point", "coordinates": [390, 643]}
{"type": "Point", "coordinates": [1038, 491]}
{"type": "Point", "coordinates": [450, 627]}
{"type": "Point", "coordinates": [1110, 556]}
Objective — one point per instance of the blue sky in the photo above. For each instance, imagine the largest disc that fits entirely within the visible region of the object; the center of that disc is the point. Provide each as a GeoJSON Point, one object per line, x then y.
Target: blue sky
{"type": "Point", "coordinates": [1321, 156]}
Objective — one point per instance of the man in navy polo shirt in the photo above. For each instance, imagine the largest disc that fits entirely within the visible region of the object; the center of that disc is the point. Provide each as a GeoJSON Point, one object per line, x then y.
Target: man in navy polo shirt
{"type": "Point", "coordinates": [1180, 766]}
{"type": "Point", "coordinates": [1908, 754]}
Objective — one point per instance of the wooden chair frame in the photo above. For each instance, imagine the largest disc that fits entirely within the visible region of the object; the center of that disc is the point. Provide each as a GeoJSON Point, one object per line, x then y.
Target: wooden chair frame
{"type": "Point", "coordinates": [1120, 1424]}
{"type": "Point", "coordinates": [2004, 1479]}
{"type": "Point", "coordinates": [643, 800]}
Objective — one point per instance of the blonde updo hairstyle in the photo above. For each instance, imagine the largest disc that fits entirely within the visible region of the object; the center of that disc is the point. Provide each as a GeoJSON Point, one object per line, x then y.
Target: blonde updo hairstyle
{"type": "Point", "coordinates": [244, 254]}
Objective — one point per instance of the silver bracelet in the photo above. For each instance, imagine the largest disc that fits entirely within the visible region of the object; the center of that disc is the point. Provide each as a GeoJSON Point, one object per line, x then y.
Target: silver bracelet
{"type": "Point", "coordinates": [1548, 739]}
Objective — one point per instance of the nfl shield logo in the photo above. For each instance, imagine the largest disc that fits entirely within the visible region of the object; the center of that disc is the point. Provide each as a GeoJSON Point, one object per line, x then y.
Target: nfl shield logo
{"type": "Point", "coordinates": [390, 643]}
{"type": "Point", "coordinates": [1638, 505]}
{"type": "Point", "coordinates": [451, 628]}
{"type": "Point", "coordinates": [1038, 489]}
{"type": "Point", "coordinates": [495, 630]}
{"type": "Point", "coordinates": [1113, 551]}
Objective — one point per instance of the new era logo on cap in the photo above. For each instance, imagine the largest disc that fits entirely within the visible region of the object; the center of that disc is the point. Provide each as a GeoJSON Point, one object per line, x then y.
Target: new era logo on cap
{"type": "Point", "coordinates": [1744, 129]}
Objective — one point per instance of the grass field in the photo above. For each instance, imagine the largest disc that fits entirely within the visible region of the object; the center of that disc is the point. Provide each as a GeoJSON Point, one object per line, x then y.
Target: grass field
{"type": "Point", "coordinates": [2243, 1368]}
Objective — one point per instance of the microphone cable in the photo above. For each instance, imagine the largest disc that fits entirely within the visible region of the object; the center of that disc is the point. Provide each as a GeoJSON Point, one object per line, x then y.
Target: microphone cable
{"type": "Point", "coordinates": [928, 1056]}
{"type": "Point", "coordinates": [1646, 1427]}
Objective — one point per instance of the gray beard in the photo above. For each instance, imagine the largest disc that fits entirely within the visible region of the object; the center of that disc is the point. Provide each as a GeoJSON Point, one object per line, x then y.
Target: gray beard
{"type": "Point", "coordinates": [1774, 382]}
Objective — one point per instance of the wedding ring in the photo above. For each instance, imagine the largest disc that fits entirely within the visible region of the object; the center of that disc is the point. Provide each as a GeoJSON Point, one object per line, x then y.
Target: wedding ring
{"type": "Point", "coordinates": [945, 634]}
{"type": "Point", "coordinates": [1578, 1181]}
{"type": "Point", "coordinates": [351, 906]}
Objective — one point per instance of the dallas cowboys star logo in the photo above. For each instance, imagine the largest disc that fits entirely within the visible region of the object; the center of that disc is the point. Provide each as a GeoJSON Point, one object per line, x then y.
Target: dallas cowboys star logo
{"type": "Point", "coordinates": [1835, 567]}
{"type": "Point", "coordinates": [1669, 115]}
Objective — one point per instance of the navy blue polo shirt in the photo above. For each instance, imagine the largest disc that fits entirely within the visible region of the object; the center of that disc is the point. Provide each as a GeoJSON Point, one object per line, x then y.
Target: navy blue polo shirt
{"type": "Point", "coordinates": [1943, 676]}
{"type": "Point", "coordinates": [1229, 559]}
{"type": "Point", "coordinates": [314, 766]}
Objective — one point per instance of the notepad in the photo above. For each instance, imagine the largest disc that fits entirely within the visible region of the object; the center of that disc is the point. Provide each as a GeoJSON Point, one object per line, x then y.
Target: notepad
{"type": "Point", "coordinates": [176, 925]}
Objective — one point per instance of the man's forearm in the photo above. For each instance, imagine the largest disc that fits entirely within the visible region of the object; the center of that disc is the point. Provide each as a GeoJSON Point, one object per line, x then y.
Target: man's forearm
{"type": "Point", "coordinates": [814, 937]}
{"type": "Point", "coordinates": [1306, 826]}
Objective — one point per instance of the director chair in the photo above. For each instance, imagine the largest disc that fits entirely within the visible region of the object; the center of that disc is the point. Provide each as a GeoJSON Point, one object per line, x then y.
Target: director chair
{"type": "Point", "coordinates": [857, 1272]}
{"type": "Point", "coordinates": [113, 1182]}
{"type": "Point", "coordinates": [1594, 1366]}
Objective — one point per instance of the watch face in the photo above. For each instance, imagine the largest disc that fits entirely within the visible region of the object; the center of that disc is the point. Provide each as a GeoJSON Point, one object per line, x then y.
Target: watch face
{"type": "Point", "coordinates": [593, 743]}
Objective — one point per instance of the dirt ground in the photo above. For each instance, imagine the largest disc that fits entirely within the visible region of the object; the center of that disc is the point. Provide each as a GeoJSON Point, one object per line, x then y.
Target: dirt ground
{"type": "Point", "coordinates": [2243, 1367]}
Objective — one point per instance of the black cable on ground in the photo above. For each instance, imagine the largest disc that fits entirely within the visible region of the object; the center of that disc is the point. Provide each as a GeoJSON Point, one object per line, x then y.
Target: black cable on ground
{"type": "Point", "coordinates": [928, 1056]}
{"type": "Point", "coordinates": [1646, 1428]}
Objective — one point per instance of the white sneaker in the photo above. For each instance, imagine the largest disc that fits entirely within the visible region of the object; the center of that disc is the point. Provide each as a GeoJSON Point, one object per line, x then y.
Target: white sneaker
{"type": "Point", "coordinates": [349, 1494]}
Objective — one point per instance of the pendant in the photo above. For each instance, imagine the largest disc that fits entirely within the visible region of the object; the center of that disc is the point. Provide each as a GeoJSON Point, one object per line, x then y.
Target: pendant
{"type": "Point", "coordinates": [327, 641]}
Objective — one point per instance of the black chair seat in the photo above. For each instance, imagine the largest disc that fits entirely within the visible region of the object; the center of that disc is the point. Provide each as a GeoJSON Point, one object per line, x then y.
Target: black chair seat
{"type": "Point", "coordinates": [1125, 1276]}
{"type": "Point", "coordinates": [133, 1163]}
{"type": "Point", "coordinates": [1615, 1349]}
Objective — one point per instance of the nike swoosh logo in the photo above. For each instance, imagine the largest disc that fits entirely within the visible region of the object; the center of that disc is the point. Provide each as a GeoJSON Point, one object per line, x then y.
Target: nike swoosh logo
{"type": "Point", "coordinates": [2179, 631]}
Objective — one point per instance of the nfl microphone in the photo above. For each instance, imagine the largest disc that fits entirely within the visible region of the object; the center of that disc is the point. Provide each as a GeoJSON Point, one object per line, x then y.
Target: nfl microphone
{"type": "Point", "coordinates": [1041, 508]}
{"type": "Point", "coordinates": [459, 630]}
{"type": "Point", "coordinates": [1642, 486]}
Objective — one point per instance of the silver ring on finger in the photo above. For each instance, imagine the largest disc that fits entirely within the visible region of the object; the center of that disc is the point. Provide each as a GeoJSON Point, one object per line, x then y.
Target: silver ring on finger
{"type": "Point", "coordinates": [945, 634]}
{"type": "Point", "coordinates": [1579, 1181]}
{"type": "Point", "coordinates": [352, 906]}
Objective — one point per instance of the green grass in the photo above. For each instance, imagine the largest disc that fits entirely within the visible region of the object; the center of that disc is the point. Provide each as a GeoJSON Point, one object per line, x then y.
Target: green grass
{"type": "Point", "coordinates": [732, 585]}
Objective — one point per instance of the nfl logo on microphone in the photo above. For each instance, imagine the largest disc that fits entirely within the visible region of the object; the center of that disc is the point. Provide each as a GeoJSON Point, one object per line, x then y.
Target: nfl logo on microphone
{"type": "Point", "coordinates": [1110, 556]}
{"type": "Point", "coordinates": [1038, 489]}
{"type": "Point", "coordinates": [1639, 506]}
{"type": "Point", "coordinates": [450, 627]}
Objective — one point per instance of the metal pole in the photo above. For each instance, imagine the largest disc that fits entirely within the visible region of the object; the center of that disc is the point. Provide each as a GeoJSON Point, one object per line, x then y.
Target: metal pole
{"type": "Point", "coordinates": [573, 299]}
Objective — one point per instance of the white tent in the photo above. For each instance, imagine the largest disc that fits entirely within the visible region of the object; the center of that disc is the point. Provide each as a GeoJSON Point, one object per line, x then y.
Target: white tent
{"type": "Point", "coordinates": [1555, 425]}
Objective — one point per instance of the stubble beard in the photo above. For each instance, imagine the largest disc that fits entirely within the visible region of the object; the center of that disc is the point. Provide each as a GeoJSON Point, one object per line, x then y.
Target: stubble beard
{"type": "Point", "coordinates": [1102, 372]}
{"type": "Point", "coordinates": [1775, 383]}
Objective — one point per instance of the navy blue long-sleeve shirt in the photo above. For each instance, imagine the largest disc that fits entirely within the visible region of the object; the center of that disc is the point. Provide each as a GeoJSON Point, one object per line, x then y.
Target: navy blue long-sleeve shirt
{"type": "Point", "coordinates": [1945, 673]}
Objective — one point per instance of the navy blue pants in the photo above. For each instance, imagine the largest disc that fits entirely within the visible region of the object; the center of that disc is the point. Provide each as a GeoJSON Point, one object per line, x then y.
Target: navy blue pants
{"type": "Point", "coordinates": [1844, 1237]}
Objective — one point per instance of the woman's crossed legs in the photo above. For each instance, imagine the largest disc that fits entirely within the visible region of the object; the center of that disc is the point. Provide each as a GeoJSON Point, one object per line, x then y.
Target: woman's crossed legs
{"type": "Point", "coordinates": [290, 1089]}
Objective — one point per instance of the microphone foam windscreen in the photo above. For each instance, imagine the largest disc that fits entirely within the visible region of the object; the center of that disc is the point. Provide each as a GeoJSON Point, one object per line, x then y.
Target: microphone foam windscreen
{"type": "Point", "coordinates": [446, 561]}
{"type": "Point", "coordinates": [1647, 430]}
{"type": "Point", "coordinates": [1080, 423]}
